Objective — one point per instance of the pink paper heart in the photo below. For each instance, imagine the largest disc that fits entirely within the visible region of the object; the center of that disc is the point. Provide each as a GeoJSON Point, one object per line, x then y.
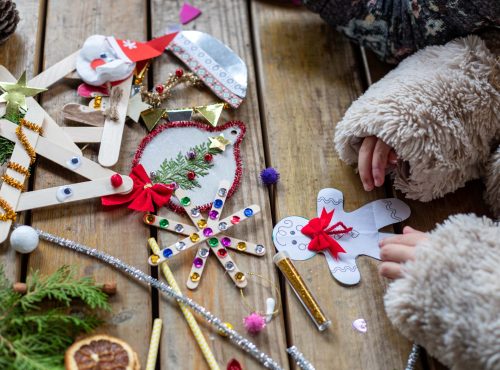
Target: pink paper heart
{"type": "Point", "coordinates": [360, 325]}
{"type": "Point", "coordinates": [188, 13]}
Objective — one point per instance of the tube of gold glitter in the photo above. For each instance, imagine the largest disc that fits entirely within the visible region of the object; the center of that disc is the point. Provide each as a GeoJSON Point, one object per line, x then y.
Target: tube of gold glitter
{"type": "Point", "coordinates": [284, 263]}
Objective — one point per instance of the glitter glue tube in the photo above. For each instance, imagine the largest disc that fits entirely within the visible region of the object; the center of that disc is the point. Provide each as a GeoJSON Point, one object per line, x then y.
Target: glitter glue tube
{"type": "Point", "coordinates": [284, 263]}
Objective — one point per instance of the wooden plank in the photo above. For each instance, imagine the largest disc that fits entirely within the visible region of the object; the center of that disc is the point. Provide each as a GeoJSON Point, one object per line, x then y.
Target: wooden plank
{"type": "Point", "coordinates": [229, 22]}
{"type": "Point", "coordinates": [119, 232]}
{"type": "Point", "coordinates": [17, 54]}
{"type": "Point", "coordinates": [425, 216]}
{"type": "Point", "coordinates": [308, 78]}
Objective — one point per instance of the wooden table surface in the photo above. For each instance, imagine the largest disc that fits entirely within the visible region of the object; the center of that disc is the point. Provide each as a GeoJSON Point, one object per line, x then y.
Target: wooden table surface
{"type": "Point", "coordinates": [302, 77]}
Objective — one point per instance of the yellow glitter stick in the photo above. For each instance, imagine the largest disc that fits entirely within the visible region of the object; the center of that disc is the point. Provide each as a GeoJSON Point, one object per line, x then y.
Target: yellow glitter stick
{"type": "Point", "coordinates": [153, 345]}
{"type": "Point", "coordinates": [193, 325]}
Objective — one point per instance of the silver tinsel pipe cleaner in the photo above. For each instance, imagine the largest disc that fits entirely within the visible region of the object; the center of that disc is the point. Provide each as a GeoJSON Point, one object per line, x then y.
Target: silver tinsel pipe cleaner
{"type": "Point", "coordinates": [137, 274]}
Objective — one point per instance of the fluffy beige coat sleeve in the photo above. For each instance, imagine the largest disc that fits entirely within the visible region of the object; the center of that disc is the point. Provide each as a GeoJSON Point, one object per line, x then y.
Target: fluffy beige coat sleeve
{"type": "Point", "coordinates": [449, 298]}
{"type": "Point", "coordinates": [440, 111]}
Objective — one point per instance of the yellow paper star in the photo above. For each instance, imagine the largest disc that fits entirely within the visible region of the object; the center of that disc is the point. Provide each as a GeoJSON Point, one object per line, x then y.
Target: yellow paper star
{"type": "Point", "coordinates": [136, 106]}
{"type": "Point", "coordinates": [218, 142]}
{"type": "Point", "coordinates": [15, 94]}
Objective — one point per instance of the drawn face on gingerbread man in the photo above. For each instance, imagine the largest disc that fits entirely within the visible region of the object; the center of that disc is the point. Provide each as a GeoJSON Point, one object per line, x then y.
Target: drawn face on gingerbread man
{"type": "Point", "coordinates": [361, 238]}
{"type": "Point", "coordinates": [100, 61]}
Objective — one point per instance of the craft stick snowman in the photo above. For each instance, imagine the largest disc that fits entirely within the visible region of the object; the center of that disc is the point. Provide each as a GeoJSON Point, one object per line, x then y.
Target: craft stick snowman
{"type": "Point", "coordinates": [340, 236]}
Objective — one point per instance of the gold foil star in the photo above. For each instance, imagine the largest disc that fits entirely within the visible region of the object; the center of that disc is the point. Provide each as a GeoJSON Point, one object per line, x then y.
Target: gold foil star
{"type": "Point", "coordinates": [136, 106]}
{"type": "Point", "coordinates": [15, 94]}
{"type": "Point", "coordinates": [218, 142]}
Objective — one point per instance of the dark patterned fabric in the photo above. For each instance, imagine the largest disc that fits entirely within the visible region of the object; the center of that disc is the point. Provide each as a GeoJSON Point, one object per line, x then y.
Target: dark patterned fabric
{"type": "Point", "coordinates": [394, 29]}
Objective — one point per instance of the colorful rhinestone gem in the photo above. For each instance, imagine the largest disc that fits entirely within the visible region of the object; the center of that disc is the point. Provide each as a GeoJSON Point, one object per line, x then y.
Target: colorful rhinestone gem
{"type": "Point", "coordinates": [235, 220]}
{"type": "Point", "coordinates": [222, 192]}
{"type": "Point", "coordinates": [203, 252]}
{"type": "Point", "coordinates": [213, 214]}
{"type": "Point", "coordinates": [194, 237]}
{"type": "Point", "coordinates": [225, 241]}
{"type": "Point", "coordinates": [191, 175]}
{"type": "Point", "coordinates": [260, 249]}
{"type": "Point", "coordinates": [195, 277]}
{"type": "Point", "coordinates": [208, 231]}
{"type": "Point", "coordinates": [239, 276]}
{"type": "Point", "coordinates": [191, 155]}
{"type": "Point", "coordinates": [179, 228]}
{"type": "Point", "coordinates": [213, 242]}
{"type": "Point", "coordinates": [167, 253]}
{"type": "Point", "coordinates": [229, 266]}
{"type": "Point", "coordinates": [218, 203]}
{"type": "Point", "coordinates": [198, 262]}
{"type": "Point", "coordinates": [163, 223]}
{"type": "Point", "coordinates": [186, 201]}
{"type": "Point", "coordinates": [222, 226]}
{"type": "Point", "coordinates": [248, 212]}
{"type": "Point", "coordinates": [149, 219]}
{"type": "Point", "coordinates": [202, 224]}
{"type": "Point", "coordinates": [227, 325]}
{"type": "Point", "coordinates": [241, 246]}
{"type": "Point", "coordinates": [208, 157]}
{"type": "Point", "coordinates": [195, 212]}
{"type": "Point", "coordinates": [222, 253]}
{"type": "Point", "coordinates": [154, 259]}
{"type": "Point", "coordinates": [180, 245]}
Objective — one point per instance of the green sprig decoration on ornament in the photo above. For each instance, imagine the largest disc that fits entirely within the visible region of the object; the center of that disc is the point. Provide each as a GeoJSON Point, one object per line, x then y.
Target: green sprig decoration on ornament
{"type": "Point", "coordinates": [37, 327]}
{"type": "Point", "coordinates": [7, 146]}
{"type": "Point", "coordinates": [177, 169]}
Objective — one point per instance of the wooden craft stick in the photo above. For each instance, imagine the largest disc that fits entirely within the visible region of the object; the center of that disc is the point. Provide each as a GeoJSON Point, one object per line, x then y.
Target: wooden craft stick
{"type": "Point", "coordinates": [168, 224]}
{"type": "Point", "coordinates": [216, 211]}
{"type": "Point", "coordinates": [54, 73]}
{"type": "Point", "coordinates": [199, 237]}
{"type": "Point", "coordinates": [50, 127]}
{"type": "Point", "coordinates": [20, 156]}
{"type": "Point", "coordinates": [84, 134]}
{"type": "Point", "coordinates": [193, 325]}
{"type": "Point", "coordinates": [71, 193]}
{"type": "Point", "coordinates": [111, 140]}
{"type": "Point", "coordinates": [198, 266]}
{"type": "Point", "coordinates": [58, 154]}
{"type": "Point", "coordinates": [244, 246]}
{"type": "Point", "coordinates": [229, 265]}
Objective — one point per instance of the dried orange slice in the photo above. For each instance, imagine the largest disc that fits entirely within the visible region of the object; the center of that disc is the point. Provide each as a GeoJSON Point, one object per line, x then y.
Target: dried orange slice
{"type": "Point", "coordinates": [101, 352]}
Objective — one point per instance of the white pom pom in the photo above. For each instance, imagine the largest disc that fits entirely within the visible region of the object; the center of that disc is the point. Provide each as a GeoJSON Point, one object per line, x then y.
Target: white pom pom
{"type": "Point", "coordinates": [24, 239]}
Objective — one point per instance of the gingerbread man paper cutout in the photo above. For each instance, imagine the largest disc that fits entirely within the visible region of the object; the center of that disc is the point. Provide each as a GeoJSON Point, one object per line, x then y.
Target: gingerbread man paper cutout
{"type": "Point", "coordinates": [363, 239]}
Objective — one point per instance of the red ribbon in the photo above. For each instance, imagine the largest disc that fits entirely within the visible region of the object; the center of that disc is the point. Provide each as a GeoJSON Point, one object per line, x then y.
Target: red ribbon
{"type": "Point", "coordinates": [317, 229]}
{"type": "Point", "coordinates": [144, 195]}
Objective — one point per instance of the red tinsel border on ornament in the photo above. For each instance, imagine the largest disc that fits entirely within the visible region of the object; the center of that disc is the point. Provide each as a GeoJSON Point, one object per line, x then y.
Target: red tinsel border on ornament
{"type": "Point", "coordinates": [203, 126]}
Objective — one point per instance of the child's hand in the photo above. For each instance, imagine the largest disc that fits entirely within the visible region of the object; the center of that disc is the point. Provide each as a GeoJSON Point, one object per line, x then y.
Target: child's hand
{"type": "Point", "coordinates": [398, 249]}
{"type": "Point", "coordinates": [373, 159]}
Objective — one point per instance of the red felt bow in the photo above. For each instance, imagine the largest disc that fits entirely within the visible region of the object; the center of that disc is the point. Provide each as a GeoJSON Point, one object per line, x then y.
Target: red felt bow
{"type": "Point", "coordinates": [317, 229]}
{"type": "Point", "coordinates": [144, 194]}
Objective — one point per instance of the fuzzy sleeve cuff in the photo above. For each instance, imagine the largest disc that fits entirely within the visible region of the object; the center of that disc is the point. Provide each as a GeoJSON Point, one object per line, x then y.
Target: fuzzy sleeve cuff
{"type": "Point", "coordinates": [449, 298]}
{"type": "Point", "coordinates": [439, 109]}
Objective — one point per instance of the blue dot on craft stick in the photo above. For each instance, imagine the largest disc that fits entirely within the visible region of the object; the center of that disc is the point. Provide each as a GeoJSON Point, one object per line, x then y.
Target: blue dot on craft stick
{"type": "Point", "coordinates": [218, 203]}
{"type": "Point", "coordinates": [248, 212]}
{"type": "Point", "coordinates": [167, 253]}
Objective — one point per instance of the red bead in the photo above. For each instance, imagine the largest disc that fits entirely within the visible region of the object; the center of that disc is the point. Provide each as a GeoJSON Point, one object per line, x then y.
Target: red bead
{"type": "Point", "coordinates": [191, 175]}
{"type": "Point", "coordinates": [208, 157]}
{"type": "Point", "coordinates": [159, 88]}
{"type": "Point", "coordinates": [116, 180]}
{"type": "Point", "coordinates": [179, 72]}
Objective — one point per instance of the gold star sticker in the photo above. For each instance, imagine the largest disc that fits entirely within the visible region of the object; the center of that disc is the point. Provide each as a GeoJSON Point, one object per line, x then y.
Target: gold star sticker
{"type": "Point", "coordinates": [218, 142]}
{"type": "Point", "coordinates": [15, 94]}
{"type": "Point", "coordinates": [136, 106]}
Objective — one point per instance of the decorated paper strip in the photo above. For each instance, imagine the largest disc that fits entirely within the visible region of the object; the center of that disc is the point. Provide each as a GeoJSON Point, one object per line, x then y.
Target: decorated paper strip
{"type": "Point", "coordinates": [154, 344]}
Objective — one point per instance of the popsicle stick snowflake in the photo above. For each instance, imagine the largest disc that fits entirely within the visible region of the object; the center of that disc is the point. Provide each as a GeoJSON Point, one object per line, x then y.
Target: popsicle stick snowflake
{"type": "Point", "coordinates": [208, 235]}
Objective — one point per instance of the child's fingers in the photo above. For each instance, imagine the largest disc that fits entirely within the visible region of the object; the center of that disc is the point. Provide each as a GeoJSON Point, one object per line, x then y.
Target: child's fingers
{"type": "Point", "coordinates": [365, 162]}
{"type": "Point", "coordinates": [409, 230]}
{"type": "Point", "coordinates": [390, 270]}
{"type": "Point", "coordinates": [410, 239]}
{"type": "Point", "coordinates": [397, 253]}
{"type": "Point", "coordinates": [379, 162]}
{"type": "Point", "coordinates": [393, 157]}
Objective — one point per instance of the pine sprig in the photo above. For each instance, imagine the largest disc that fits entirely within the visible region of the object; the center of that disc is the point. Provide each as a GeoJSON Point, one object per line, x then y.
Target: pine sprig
{"type": "Point", "coordinates": [36, 328]}
{"type": "Point", "coordinates": [7, 146]}
{"type": "Point", "coordinates": [175, 170]}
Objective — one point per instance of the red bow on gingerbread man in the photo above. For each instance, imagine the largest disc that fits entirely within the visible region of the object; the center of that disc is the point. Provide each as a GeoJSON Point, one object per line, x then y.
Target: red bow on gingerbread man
{"type": "Point", "coordinates": [144, 194]}
{"type": "Point", "coordinates": [317, 229]}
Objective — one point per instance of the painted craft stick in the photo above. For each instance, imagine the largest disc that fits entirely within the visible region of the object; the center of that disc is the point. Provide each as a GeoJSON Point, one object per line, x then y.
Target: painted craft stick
{"type": "Point", "coordinates": [112, 133]}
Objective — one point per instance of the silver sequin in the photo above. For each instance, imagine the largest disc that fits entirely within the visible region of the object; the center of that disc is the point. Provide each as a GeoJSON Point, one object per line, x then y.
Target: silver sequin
{"type": "Point", "coordinates": [222, 226]}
